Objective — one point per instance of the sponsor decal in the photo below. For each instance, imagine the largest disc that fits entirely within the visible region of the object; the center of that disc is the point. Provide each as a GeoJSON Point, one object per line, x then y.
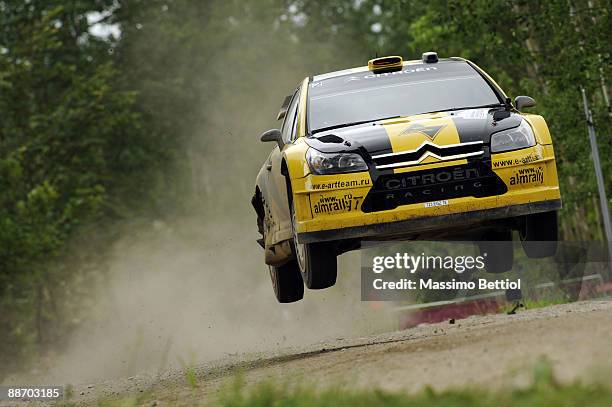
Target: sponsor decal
{"type": "Point", "coordinates": [342, 203]}
{"type": "Point", "coordinates": [402, 72]}
{"type": "Point", "coordinates": [452, 183]}
{"type": "Point", "coordinates": [430, 131]}
{"type": "Point", "coordinates": [517, 161]}
{"type": "Point", "coordinates": [456, 174]}
{"type": "Point", "coordinates": [351, 79]}
{"type": "Point", "coordinates": [359, 77]}
{"type": "Point", "coordinates": [531, 175]}
{"type": "Point", "coordinates": [393, 190]}
{"type": "Point", "coordinates": [341, 184]}
{"type": "Point", "coordinates": [457, 190]}
{"type": "Point", "coordinates": [434, 204]}
{"type": "Point", "coordinates": [474, 114]}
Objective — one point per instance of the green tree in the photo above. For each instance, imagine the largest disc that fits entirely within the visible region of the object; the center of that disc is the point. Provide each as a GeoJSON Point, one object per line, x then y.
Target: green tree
{"type": "Point", "coordinates": [65, 139]}
{"type": "Point", "coordinates": [547, 50]}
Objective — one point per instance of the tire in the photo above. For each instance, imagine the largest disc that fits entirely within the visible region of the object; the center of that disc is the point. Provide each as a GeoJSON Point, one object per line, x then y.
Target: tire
{"type": "Point", "coordinates": [539, 235]}
{"type": "Point", "coordinates": [317, 262]}
{"type": "Point", "coordinates": [287, 282]}
{"type": "Point", "coordinates": [497, 244]}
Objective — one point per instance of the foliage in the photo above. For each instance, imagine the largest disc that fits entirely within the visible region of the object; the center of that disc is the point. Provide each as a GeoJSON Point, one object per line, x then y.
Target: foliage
{"type": "Point", "coordinates": [60, 121]}
{"type": "Point", "coordinates": [101, 129]}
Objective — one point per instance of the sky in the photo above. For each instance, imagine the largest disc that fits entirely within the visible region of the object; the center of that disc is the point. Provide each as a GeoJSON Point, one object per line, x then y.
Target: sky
{"type": "Point", "coordinates": [102, 30]}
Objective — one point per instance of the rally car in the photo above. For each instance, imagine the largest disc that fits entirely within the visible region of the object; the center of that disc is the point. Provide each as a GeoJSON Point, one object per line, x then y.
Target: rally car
{"type": "Point", "coordinates": [424, 149]}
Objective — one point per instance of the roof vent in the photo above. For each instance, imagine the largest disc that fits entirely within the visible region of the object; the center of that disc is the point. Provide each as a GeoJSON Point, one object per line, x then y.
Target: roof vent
{"type": "Point", "coordinates": [430, 57]}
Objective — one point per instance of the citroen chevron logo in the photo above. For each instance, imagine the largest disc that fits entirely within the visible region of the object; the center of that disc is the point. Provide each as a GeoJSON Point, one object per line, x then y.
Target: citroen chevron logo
{"type": "Point", "coordinates": [430, 131]}
{"type": "Point", "coordinates": [427, 149]}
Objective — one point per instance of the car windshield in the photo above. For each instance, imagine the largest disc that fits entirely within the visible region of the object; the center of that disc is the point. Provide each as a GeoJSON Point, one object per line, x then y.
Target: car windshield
{"type": "Point", "coordinates": [360, 96]}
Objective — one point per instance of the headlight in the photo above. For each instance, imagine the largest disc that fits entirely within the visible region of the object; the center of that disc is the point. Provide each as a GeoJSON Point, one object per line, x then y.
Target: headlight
{"type": "Point", "coordinates": [334, 163]}
{"type": "Point", "coordinates": [513, 139]}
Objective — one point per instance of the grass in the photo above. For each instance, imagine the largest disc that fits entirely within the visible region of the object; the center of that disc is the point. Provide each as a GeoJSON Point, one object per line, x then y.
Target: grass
{"type": "Point", "coordinates": [548, 395]}
{"type": "Point", "coordinates": [533, 304]}
{"type": "Point", "coordinates": [543, 391]}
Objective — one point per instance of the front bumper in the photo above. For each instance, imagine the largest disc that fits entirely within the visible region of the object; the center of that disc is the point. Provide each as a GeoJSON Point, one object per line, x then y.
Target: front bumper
{"type": "Point", "coordinates": [336, 207]}
{"type": "Point", "coordinates": [428, 223]}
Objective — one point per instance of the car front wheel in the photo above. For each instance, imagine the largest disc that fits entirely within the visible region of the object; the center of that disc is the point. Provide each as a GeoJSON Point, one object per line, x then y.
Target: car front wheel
{"type": "Point", "coordinates": [317, 261]}
{"type": "Point", "coordinates": [539, 235]}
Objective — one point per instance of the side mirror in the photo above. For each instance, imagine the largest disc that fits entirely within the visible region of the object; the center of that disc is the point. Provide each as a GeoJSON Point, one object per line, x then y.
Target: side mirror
{"type": "Point", "coordinates": [271, 135]}
{"type": "Point", "coordinates": [522, 102]}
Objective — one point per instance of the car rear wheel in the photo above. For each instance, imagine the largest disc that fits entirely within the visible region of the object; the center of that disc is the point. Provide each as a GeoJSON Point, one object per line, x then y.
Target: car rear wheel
{"type": "Point", "coordinates": [539, 235]}
{"type": "Point", "coordinates": [287, 282]}
{"type": "Point", "coordinates": [498, 251]}
{"type": "Point", "coordinates": [317, 262]}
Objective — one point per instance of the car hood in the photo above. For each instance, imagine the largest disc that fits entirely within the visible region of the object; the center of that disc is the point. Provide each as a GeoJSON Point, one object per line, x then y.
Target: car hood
{"type": "Point", "coordinates": [409, 133]}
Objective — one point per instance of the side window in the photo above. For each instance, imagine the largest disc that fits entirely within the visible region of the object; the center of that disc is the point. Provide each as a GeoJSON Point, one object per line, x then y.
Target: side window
{"type": "Point", "coordinates": [288, 124]}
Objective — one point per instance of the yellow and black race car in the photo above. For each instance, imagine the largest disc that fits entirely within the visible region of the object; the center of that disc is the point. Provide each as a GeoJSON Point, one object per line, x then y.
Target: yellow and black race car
{"type": "Point", "coordinates": [425, 149]}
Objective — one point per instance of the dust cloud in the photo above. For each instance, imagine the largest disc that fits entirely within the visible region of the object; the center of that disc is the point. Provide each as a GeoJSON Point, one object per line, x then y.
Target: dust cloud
{"type": "Point", "coordinates": [183, 294]}
{"type": "Point", "coordinates": [195, 288]}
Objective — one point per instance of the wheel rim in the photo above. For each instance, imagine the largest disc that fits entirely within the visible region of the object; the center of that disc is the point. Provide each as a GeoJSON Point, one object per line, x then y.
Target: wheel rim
{"type": "Point", "coordinates": [300, 250]}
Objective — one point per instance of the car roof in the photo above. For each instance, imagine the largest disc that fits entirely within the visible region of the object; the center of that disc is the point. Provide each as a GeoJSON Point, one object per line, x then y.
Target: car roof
{"type": "Point", "coordinates": [352, 80]}
{"type": "Point", "coordinates": [351, 71]}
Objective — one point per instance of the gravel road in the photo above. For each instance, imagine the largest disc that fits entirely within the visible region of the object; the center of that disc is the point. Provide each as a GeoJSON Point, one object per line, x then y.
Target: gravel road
{"type": "Point", "coordinates": [493, 351]}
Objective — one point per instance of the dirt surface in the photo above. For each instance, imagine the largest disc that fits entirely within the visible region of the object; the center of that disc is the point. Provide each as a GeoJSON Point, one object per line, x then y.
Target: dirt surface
{"type": "Point", "coordinates": [492, 351]}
